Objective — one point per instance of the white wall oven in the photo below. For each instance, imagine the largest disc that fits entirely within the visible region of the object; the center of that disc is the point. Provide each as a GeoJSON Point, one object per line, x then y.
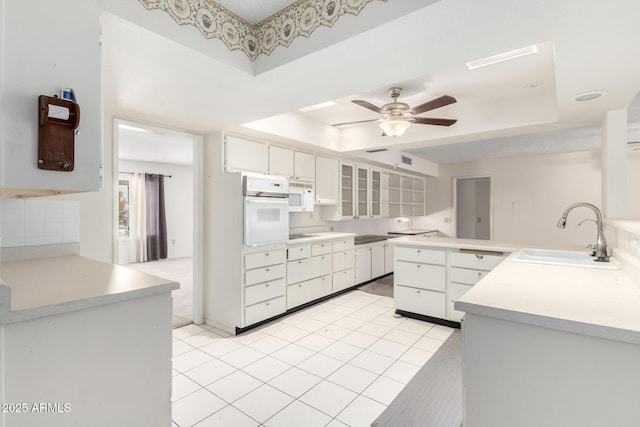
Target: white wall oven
{"type": "Point", "coordinates": [266, 210]}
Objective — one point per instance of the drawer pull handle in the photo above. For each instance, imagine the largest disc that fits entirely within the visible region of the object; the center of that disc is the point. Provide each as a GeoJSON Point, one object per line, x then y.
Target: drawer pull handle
{"type": "Point", "coordinates": [267, 254]}
{"type": "Point", "coordinates": [266, 303]}
{"type": "Point", "coordinates": [301, 249]}
{"type": "Point", "coordinates": [266, 284]}
{"type": "Point", "coordinates": [418, 251]}
{"type": "Point", "coordinates": [417, 292]}
{"type": "Point", "coordinates": [479, 274]}
{"type": "Point", "coordinates": [479, 256]}
{"type": "Point", "coordinates": [299, 262]}
{"type": "Point", "coordinates": [418, 266]}
{"type": "Point", "coordinates": [266, 269]}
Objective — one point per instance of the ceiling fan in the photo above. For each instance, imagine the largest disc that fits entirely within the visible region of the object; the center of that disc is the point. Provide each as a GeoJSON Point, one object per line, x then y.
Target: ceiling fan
{"type": "Point", "coordinates": [398, 116]}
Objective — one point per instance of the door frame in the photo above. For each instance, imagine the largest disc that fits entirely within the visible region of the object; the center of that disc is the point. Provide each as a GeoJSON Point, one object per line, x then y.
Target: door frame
{"type": "Point", "coordinates": [454, 215]}
{"type": "Point", "coordinates": [198, 204]}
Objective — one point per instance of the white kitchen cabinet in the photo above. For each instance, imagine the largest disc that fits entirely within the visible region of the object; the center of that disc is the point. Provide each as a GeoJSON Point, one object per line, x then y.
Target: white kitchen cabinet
{"type": "Point", "coordinates": [304, 166]}
{"type": "Point", "coordinates": [264, 283]}
{"type": "Point", "coordinates": [420, 281]}
{"type": "Point", "coordinates": [281, 161]}
{"type": "Point", "coordinates": [243, 155]}
{"type": "Point", "coordinates": [362, 192]}
{"type": "Point", "coordinates": [327, 182]}
{"type": "Point", "coordinates": [466, 268]}
{"type": "Point", "coordinates": [429, 280]}
{"type": "Point", "coordinates": [388, 258]}
{"type": "Point", "coordinates": [375, 194]}
{"type": "Point", "coordinates": [344, 260]}
{"type": "Point", "coordinates": [309, 269]}
{"type": "Point", "coordinates": [347, 190]}
{"type": "Point", "coordinates": [363, 263]}
{"type": "Point", "coordinates": [378, 259]}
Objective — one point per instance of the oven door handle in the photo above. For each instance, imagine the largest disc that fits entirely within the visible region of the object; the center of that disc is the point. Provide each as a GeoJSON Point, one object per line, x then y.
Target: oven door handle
{"type": "Point", "coordinates": [267, 201]}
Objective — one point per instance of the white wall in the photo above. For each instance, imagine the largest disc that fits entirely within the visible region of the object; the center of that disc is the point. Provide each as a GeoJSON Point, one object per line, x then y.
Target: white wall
{"type": "Point", "coordinates": [529, 195]}
{"type": "Point", "coordinates": [178, 203]}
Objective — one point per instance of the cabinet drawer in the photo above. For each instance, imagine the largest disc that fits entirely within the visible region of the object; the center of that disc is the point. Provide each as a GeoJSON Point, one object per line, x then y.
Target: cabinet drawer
{"type": "Point", "coordinates": [480, 261]}
{"type": "Point", "coordinates": [343, 245]}
{"type": "Point", "coordinates": [417, 275]}
{"type": "Point", "coordinates": [321, 249]}
{"type": "Point", "coordinates": [299, 252]}
{"type": "Point", "coordinates": [420, 301]}
{"type": "Point", "coordinates": [264, 291]}
{"type": "Point", "coordinates": [308, 268]}
{"type": "Point", "coordinates": [264, 310]}
{"type": "Point", "coordinates": [264, 274]}
{"type": "Point", "coordinates": [344, 260]}
{"type": "Point", "coordinates": [428, 256]}
{"type": "Point", "coordinates": [310, 290]}
{"type": "Point", "coordinates": [466, 276]}
{"type": "Point", "coordinates": [344, 279]}
{"type": "Point", "coordinates": [262, 259]}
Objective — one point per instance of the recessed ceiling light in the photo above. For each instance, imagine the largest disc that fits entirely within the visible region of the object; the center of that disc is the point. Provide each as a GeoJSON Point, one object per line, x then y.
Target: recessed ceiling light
{"type": "Point", "coordinates": [317, 106]}
{"type": "Point", "coordinates": [588, 96]}
{"type": "Point", "coordinates": [534, 85]}
{"type": "Point", "coordinates": [506, 56]}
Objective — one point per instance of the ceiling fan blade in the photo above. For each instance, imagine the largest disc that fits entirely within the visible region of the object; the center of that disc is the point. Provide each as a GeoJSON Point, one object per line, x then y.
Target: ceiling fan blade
{"type": "Point", "coordinates": [433, 121]}
{"type": "Point", "coordinates": [354, 123]}
{"type": "Point", "coordinates": [368, 106]}
{"type": "Point", "coordinates": [433, 104]}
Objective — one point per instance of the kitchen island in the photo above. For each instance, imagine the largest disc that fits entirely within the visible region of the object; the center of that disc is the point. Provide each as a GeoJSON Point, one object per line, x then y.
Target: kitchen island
{"type": "Point", "coordinates": [84, 343]}
{"type": "Point", "coordinates": [551, 345]}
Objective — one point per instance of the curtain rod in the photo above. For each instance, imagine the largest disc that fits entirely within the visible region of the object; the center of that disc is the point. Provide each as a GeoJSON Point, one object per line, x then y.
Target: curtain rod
{"type": "Point", "coordinates": [154, 174]}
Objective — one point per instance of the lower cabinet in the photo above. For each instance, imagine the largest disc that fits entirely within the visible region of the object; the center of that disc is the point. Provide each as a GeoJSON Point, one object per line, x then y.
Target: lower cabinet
{"type": "Point", "coordinates": [429, 280]}
{"type": "Point", "coordinates": [264, 283]}
{"type": "Point", "coordinates": [304, 292]}
{"type": "Point", "coordinates": [344, 264]}
{"type": "Point", "coordinates": [371, 261]}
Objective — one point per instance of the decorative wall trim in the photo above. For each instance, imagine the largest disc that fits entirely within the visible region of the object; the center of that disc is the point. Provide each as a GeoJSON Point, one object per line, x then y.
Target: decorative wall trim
{"type": "Point", "coordinates": [299, 19]}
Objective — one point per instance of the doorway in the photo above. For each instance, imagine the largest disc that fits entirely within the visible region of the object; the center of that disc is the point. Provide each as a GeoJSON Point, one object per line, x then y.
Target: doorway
{"type": "Point", "coordinates": [473, 208]}
{"type": "Point", "coordinates": [143, 152]}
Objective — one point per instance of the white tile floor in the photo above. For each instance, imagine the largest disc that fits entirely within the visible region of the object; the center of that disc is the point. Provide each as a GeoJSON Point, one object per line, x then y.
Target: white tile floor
{"type": "Point", "coordinates": [339, 363]}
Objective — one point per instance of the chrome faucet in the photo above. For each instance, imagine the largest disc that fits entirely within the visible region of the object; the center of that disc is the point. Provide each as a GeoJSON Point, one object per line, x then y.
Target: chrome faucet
{"type": "Point", "coordinates": [601, 244]}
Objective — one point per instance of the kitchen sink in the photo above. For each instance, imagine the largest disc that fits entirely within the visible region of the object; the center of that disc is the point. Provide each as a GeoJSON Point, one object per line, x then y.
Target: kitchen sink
{"type": "Point", "coordinates": [560, 257]}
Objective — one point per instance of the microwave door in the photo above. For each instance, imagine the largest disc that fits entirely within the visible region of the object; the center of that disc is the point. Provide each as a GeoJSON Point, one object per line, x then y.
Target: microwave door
{"type": "Point", "coordinates": [266, 220]}
{"type": "Point", "coordinates": [296, 202]}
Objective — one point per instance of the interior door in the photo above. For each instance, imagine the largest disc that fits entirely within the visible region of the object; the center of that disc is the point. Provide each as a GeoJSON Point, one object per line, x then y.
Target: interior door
{"type": "Point", "coordinates": [473, 208]}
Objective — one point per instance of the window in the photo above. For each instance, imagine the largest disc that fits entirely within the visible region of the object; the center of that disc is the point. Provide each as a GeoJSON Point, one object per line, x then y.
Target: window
{"type": "Point", "coordinates": [123, 208]}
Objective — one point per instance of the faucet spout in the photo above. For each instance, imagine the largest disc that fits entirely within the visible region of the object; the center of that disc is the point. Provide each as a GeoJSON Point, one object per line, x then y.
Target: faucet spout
{"type": "Point", "coordinates": [601, 243]}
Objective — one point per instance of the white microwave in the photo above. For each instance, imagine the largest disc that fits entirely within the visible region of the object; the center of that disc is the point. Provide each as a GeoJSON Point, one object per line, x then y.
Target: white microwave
{"type": "Point", "coordinates": [300, 197]}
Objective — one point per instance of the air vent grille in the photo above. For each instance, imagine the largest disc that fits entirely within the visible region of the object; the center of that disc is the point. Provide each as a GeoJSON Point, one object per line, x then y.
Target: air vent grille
{"type": "Point", "coordinates": [406, 160]}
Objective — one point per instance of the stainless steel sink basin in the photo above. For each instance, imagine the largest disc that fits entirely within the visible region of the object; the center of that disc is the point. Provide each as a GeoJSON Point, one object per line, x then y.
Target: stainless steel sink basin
{"type": "Point", "coordinates": [558, 257]}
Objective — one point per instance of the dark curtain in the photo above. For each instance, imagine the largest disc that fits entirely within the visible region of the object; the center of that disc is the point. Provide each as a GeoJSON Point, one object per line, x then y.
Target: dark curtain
{"type": "Point", "coordinates": [156, 217]}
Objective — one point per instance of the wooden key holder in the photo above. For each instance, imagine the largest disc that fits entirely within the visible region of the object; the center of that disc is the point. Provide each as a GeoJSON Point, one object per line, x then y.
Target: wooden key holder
{"type": "Point", "coordinates": [58, 120]}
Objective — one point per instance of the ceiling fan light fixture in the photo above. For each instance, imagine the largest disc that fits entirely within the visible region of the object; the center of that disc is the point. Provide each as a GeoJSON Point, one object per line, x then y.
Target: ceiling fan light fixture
{"type": "Point", "coordinates": [394, 127]}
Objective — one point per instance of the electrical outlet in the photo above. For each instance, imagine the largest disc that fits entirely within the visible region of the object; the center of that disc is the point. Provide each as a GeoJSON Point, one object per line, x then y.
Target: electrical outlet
{"type": "Point", "coordinates": [447, 220]}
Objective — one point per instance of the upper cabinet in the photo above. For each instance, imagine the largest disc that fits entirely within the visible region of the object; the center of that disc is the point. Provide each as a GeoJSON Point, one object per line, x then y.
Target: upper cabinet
{"type": "Point", "coordinates": [242, 155]}
{"type": "Point", "coordinates": [304, 166]}
{"type": "Point", "coordinates": [327, 181]}
{"type": "Point", "coordinates": [347, 190]}
{"type": "Point", "coordinates": [281, 161]}
{"type": "Point", "coordinates": [39, 58]}
{"type": "Point", "coordinates": [375, 196]}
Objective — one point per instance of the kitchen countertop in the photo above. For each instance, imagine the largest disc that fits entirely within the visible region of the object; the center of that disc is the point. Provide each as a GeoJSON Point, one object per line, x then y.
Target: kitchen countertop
{"type": "Point", "coordinates": [595, 302]}
{"type": "Point", "coordinates": [411, 232]}
{"type": "Point", "coordinates": [318, 237]}
{"type": "Point", "coordinates": [35, 288]}
{"type": "Point", "coordinates": [369, 238]}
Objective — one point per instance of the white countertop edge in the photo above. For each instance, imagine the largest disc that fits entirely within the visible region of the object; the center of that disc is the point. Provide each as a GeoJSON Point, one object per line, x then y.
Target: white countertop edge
{"type": "Point", "coordinates": [444, 242]}
{"type": "Point", "coordinates": [10, 317]}
{"type": "Point", "coordinates": [319, 237]}
{"type": "Point", "coordinates": [588, 329]}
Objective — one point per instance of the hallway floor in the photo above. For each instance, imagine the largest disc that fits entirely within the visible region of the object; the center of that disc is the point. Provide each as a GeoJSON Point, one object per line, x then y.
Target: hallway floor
{"type": "Point", "coordinates": [338, 363]}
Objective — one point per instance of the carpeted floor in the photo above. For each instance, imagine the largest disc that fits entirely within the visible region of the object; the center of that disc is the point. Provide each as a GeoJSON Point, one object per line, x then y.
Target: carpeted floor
{"type": "Point", "coordinates": [181, 271]}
